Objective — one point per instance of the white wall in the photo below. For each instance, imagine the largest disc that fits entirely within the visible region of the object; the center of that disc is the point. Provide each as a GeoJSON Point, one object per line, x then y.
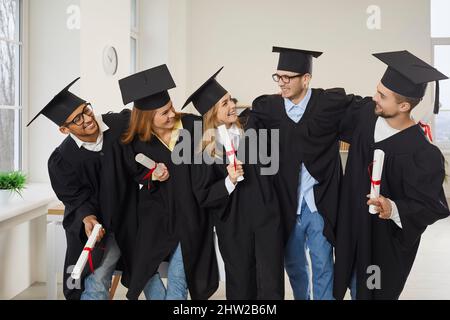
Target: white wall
{"type": "Point", "coordinates": [104, 22]}
{"type": "Point", "coordinates": [163, 36]}
{"type": "Point", "coordinates": [54, 61]}
{"type": "Point", "coordinates": [58, 55]}
{"type": "Point", "coordinates": [21, 248]}
{"type": "Point", "coordinates": [240, 36]}
{"type": "Point", "coordinates": [153, 33]}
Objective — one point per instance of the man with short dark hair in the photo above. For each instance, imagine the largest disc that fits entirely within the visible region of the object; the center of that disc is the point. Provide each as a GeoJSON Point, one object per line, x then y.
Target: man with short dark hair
{"type": "Point", "coordinates": [80, 180]}
{"type": "Point", "coordinates": [375, 252]}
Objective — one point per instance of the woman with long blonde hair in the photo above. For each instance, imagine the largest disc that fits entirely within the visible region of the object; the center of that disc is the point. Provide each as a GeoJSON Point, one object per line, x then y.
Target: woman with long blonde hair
{"type": "Point", "coordinates": [246, 212]}
{"type": "Point", "coordinates": [171, 224]}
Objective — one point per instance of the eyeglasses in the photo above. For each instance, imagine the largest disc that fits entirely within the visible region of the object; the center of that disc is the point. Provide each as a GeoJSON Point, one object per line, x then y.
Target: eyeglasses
{"type": "Point", "coordinates": [285, 78]}
{"type": "Point", "coordinates": [79, 118]}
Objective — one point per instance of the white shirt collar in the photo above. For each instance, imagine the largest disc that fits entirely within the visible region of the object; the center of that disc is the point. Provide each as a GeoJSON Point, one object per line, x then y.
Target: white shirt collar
{"type": "Point", "coordinates": [383, 130]}
{"type": "Point", "coordinates": [302, 104]}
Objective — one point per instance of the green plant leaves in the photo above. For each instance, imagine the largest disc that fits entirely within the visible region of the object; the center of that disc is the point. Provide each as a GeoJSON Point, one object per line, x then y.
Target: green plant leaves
{"type": "Point", "coordinates": [14, 181]}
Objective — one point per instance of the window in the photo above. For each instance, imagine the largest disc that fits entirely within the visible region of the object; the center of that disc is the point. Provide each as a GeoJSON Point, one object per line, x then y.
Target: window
{"type": "Point", "coordinates": [11, 48]}
{"type": "Point", "coordinates": [440, 38]}
{"type": "Point", "coordinates": [134, 36]}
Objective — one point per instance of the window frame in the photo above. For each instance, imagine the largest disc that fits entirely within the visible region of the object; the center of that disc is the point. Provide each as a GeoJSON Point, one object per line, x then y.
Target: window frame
{"type": "Point", "coordinates": [134, 36]}
{"type": "Point", "coordinates": [445, 146]}
{"type": "Point", "coordinates": [20, 41]}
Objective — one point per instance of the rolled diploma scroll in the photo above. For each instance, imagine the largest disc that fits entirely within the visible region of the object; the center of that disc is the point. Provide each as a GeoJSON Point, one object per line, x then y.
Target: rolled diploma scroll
{"type": "Point", "coordinates": [228, 146]}
{"type": "Point", "coordinates": [90, 243]}
{"type": "Point", "coordinates": [377, 169]}
{"type": "Point", "coordinates": [149, 163]}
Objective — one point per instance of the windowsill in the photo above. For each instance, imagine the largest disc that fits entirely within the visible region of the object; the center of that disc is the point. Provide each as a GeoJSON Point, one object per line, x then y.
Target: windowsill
{"type": "Point", "coordinates": [35, 196]}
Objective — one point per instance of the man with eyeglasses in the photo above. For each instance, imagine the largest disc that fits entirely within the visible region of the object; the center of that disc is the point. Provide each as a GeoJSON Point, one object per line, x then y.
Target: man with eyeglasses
{"type": "Point", "coordinates": [310, 168]}
{"type": "Point", "coordinates": [80, 180]}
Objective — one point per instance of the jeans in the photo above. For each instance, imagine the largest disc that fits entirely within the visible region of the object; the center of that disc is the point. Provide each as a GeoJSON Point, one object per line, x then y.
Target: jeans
{"type": "Point", "coordinates": [176, 281]}
{"type": "Point", "coordinates": [308, 234]}
{"type": "Point", "coordinates": [353, 286]}
{"type": "Point", "coordinates": [97, 284]}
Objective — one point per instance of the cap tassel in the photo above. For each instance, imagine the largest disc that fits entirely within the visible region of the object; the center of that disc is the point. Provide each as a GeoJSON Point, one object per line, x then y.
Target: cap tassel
{"type": "Point", "coordinates": [436, 99]}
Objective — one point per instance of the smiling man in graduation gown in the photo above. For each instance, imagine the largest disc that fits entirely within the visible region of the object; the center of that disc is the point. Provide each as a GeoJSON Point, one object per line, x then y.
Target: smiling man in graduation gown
{"type": "Point", "coordinates": [77, 177]}
{"type": "Point", "coordinates": [310, 167]}
{"type": "Point", "coordinates": [375, 252]}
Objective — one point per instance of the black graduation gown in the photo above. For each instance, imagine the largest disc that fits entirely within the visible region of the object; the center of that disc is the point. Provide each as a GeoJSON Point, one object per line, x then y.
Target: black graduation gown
{"type": "Point", "coordinates": [312, 141]}
{"type": "Point", "coordinates": [167, 215]}
{"type": "Point", "coordinates": [78, 176]}
{"type": "Point", "coordinates": [412, 177]}
{"type": "Point", "coordinates": [248, 226]}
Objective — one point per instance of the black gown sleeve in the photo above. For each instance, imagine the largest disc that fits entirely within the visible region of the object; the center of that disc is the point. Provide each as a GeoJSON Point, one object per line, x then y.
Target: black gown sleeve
{"type": "Point", "coordinates": [68, 187]}
{"type": "Point", "coordinates": [352, 115]}
{"type": "Point", "coordinates": [209, 188]}
{"type": "Point", "coordinates": [263, 114]}
{"type": "Point", "coordinates": [425, 201]}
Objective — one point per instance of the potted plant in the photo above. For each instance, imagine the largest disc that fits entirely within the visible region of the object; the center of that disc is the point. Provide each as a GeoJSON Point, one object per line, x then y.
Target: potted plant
{"type": "Point", "coordinates": [10, 183]}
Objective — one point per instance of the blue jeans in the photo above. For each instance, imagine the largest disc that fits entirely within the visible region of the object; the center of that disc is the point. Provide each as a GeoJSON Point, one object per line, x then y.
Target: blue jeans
{"type": "Point", "coordinates": [308, 234]}
{"type": "Point", "coordinates": [176, 281]}
{"type": "Point", "coordinates": [353, 286]}
{"type": "Point", "coordinates": [97, 284]}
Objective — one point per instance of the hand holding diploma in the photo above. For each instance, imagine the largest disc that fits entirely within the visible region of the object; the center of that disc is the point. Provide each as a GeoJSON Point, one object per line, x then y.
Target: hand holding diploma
{"type": "Point", "coordinates": [235, 172]}
{"type": "Point", "coordinates": [230, 150]}
{"type": "Point", "coordinates": [89, 223]}
{"type": "Point", "coordinates": [165, 173]}
{"type": "Point", "coordinates": [375, 177]}
{"type": "Point", "coordinates": [159, 170]}
{"type": "Point", "coordinates": [86, 254]}
{"type": "Point", "coordinates": [382, 206]}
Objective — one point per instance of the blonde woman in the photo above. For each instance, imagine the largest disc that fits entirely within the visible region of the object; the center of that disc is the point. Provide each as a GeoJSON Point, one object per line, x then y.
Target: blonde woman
{"type": "Point", "coordinates": [246, 213]}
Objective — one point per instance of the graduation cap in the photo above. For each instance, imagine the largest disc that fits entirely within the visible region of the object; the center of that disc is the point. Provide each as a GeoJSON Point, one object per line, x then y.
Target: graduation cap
{"type": "Point", "coordinates": [295, 60]}
{"type": "Point", "coordinates": [408, 75]}
{"type": "Point", "coordinates": [61, 106]}
{"type": "Point", "coordinates": [205, 97]}
{"type": "Point", "coordinates": [147, 89]}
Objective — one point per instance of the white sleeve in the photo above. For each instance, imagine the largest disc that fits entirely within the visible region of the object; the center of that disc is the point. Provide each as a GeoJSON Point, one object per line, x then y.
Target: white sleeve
{"type": "Point", "coordinates": [229, 185]}
{"type": "Point", "coordinates": [395, 216]}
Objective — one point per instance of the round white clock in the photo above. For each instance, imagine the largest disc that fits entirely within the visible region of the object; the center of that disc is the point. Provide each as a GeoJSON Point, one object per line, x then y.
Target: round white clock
{"type": "Point", "coordinates": [110, 60]}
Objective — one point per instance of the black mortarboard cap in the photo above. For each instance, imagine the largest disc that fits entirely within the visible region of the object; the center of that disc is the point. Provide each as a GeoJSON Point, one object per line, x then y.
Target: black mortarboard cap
{"type": "Point", "coordinates": [61, 106]}
{"type": "Point", "coordinates": [296, 60]}
{"type": "Point", "coordinates": [205, 97]}
{"type": "Point", "coordinates": [408, 75]}
{"type": "Point", "coordinates": [147, 89]}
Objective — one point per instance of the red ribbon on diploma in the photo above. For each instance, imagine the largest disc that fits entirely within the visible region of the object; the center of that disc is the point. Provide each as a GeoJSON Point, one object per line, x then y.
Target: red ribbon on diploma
{"type": "Point", "coordinates": [148, 176]}
{"type": "Point", "coordinates": [91, 264]}
{"type": "Point", "coordinates": [233, 151]}
{"type": "Point", "coordinates": [427, 129]}
{"type": "Point", "coordinates": [373, 182]}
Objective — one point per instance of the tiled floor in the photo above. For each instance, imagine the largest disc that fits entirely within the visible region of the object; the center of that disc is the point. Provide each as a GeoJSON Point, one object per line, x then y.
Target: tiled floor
{"type": "Point", "coordinates": [429, 278]}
